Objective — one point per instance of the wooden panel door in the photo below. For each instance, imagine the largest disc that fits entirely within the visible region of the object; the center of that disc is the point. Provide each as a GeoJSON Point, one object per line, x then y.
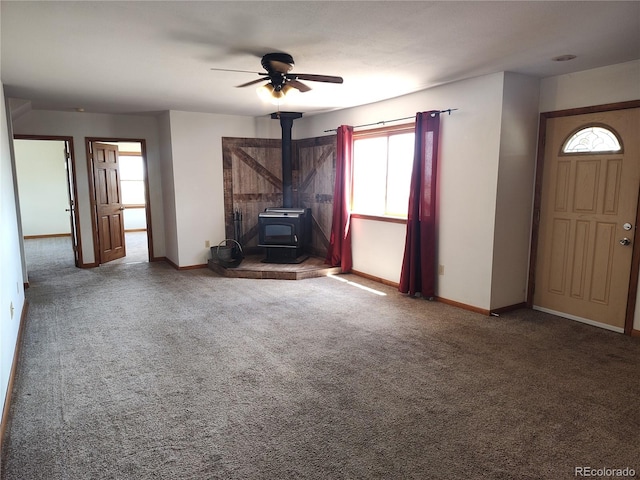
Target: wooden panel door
{"type": "Point", "coordinates": [316, 158]}
{"type": "Point", "coordinates": [109, 208]}
{"type": "Point", "coordinates": [583, 269]}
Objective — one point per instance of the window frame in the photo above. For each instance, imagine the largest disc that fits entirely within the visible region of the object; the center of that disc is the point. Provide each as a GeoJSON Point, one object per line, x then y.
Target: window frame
{"type": "Point", "coordinates": [385, 131]}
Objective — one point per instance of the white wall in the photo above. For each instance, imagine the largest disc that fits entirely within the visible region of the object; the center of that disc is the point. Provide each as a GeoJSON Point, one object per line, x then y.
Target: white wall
{"type": "Point", "coordinates": [468, 176]}
{"type": "Point", "coordinates": [135, 219]}
{"type": "Point", "coordinates": [600, 86]}
{"type": "Point", "coordinates": [42, 187]}
{"type": "Point", "coordinates": [81, 125]}
{"type": "Point", "coordinates": [514, 205]}
{"type": "Point", "coordinates": [375, 248]}
{"type": "Point", "coordinates": [169, 201]}
{"type": "Point", "coordinates": [12, 298]}
{"type": "Point", "coordinates": [196, 156]}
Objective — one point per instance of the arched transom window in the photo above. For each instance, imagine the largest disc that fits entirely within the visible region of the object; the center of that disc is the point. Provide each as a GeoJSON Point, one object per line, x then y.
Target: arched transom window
{"type": "Point", "coordinates": [592, 139]}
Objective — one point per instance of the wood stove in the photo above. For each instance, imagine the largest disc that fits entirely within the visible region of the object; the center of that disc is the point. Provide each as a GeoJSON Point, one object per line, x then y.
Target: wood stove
{"type": "Point", "coordinates": [285, 234]}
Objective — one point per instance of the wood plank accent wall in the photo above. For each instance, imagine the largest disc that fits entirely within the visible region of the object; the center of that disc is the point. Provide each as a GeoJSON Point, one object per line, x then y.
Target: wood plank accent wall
{"type": "Point", "coordinates": [316, 160]}
{"type": "Point", "coordinates": [252, 170]}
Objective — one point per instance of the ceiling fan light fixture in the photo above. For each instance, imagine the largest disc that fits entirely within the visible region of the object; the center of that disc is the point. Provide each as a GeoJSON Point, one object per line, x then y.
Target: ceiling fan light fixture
{"type": "Point", "coordinates": [286, 89]}
{"type": "Point", "coordinates": [274, 94]}
{"type": "Point", "coordinates": [280, 81]}
{"type": "Point", "coordinates": [269, 93]}
{"type": "Point", "coordinates": [265, 92]}
{"type": "Point", "coordinates": [278, 93]}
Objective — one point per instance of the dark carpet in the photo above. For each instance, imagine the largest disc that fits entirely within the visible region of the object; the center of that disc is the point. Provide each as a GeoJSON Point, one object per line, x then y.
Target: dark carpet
{"type": "Point", "coordinates": [140, 371]}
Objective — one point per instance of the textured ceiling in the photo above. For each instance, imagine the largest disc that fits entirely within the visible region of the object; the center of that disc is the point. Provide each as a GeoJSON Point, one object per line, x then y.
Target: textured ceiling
{"type": "Point", "coordinates": [126, 57]}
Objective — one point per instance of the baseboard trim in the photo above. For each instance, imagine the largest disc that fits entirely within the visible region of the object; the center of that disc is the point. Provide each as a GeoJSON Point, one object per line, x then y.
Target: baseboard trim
{"type": "Point", "coordinates": [12, 375]}
{"type": "Point", "coordinates": [508, 308]}
{"type": "Point", "coordinates": [635, 333]}
{"type": "Point", "coordinates": [464, 306]}
{"type": "Point", "coordinates": [194, 267]}
{"type": "Point", "coordinates": [168, 260]}
{"type": "Point", "coordinates": [188, 267]}
{"type": "Point", "coordinates": [375, 279]}
{"type": "Point", "coordinates": [49, 235]}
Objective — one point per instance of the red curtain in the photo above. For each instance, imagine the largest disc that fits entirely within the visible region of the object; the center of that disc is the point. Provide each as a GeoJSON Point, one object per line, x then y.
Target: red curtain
{"type": "Point", "coordinates": [339, 252]}
{"type": "Point", "coordinates": [419, 263]}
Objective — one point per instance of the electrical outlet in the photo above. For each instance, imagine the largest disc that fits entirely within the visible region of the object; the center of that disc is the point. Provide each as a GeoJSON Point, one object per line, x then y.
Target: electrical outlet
{"type": "Point", "coordinates": [440, 269]}
{"type": "Point", "coordinates": [11, 309]}
{"type": "Point", "coordinates": [207, 244]}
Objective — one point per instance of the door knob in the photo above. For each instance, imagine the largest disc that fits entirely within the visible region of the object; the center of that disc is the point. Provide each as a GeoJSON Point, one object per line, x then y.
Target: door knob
{"type": "Point", "coordinates": [625, 241]}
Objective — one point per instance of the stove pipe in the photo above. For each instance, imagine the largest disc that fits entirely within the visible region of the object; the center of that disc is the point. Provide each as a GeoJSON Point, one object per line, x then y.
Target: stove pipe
{"type": "Point", "coordinates": [286, 123]}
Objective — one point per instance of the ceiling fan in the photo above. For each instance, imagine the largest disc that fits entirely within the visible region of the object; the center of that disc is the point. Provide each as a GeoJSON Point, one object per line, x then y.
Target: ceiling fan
{"type": "Point", "coordinates": [279, 78]}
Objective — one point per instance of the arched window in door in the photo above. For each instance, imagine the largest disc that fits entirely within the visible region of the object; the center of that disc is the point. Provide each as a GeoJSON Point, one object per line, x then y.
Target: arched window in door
{"type": "Point", "coordinates": [592, 139]}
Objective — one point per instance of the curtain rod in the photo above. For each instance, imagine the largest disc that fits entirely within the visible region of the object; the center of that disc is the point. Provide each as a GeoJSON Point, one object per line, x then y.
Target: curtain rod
{"type": "Point", "coordinates": [448, 110]}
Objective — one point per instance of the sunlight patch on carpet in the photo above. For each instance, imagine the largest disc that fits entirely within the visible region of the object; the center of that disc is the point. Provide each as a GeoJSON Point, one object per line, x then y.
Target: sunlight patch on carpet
{"type": "Point", "coordinates": [349, 282]}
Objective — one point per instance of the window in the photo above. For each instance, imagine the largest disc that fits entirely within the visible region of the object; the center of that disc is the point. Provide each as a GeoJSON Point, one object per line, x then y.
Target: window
{"type": "Point", "coordinates": [592, 139]}
{"type": "Point", "coordinates": [131, 179]}
{"type": "Point", "coordinates": [382, 164]}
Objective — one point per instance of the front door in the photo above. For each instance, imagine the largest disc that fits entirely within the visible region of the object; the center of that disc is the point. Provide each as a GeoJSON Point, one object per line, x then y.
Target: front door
{"type": "Point", "coordinates": [108, 204]}
{"type": "Point", "coordinates": [588, 209]}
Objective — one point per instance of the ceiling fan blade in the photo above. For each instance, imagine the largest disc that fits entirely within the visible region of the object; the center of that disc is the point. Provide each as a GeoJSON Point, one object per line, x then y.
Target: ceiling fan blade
{"type": "Point", "coordinates": [253, 82]}
{"type": "Point", "coordinates": [231, 70]}
{"type": "Point", "coordinates": [299, 85]}
{"type": "Point", "coordinates": [314, 78]}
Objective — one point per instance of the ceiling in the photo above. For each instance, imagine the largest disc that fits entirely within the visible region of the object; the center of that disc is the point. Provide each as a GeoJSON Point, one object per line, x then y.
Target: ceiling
{"type": "Point", "coordinates": [148, 56]}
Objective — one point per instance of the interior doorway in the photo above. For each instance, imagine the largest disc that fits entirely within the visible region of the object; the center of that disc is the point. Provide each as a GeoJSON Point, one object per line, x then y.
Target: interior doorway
{"type": "Point", "coordinates": [119, 193]}
{"type": "Point", "coordinates": [45, 173]}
